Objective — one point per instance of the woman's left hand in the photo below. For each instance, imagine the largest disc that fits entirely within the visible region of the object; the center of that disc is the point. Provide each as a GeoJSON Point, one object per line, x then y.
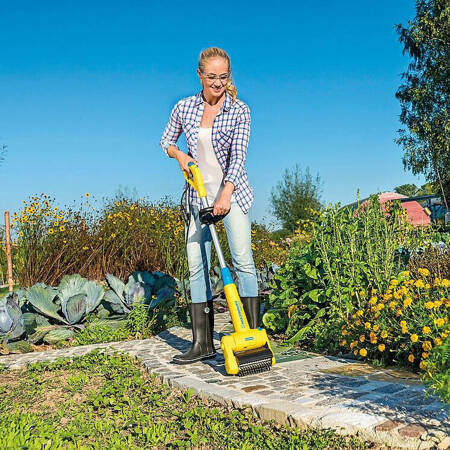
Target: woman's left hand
{"type": "Point", "coordinates": [222, 204]}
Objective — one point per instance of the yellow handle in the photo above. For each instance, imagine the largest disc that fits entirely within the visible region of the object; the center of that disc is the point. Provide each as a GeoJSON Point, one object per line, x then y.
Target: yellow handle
{"type": "Point", "coordinates": [197, 181]}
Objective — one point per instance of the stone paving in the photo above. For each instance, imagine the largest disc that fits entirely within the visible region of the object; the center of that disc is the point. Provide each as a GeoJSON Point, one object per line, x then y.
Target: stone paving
{"type": "Point", "coordinates": [301, 390]}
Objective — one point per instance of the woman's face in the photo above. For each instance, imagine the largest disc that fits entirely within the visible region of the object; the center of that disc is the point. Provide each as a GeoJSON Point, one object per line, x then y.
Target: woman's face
{"type": "Point", "coordinates": [215, 77]}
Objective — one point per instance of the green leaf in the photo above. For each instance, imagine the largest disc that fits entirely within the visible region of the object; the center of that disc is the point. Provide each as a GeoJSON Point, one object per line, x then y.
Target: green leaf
{"type": "Point", "coordinates": [299, 335]}
{"type": "Point", "coordinates": [74, 308]}
{"type": "Point", "coordinates": [58, 334]}
{"type": "Point", "coordinates": [117, 285]}
{"type": "Point", "coordinates": [42, 300]}
{"type": "Point", "coordinates": [314, 295]}
{"type": "Point", "coordinates": [94, 294]}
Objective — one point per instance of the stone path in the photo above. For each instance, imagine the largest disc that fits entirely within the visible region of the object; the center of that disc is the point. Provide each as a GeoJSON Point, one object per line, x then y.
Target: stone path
{"type": "Point", "coordinates": [301, 390]}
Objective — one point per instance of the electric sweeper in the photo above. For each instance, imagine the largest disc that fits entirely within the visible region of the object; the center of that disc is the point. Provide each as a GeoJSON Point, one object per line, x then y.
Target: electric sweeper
{"type": "Point", "coordinates": [246, 351]}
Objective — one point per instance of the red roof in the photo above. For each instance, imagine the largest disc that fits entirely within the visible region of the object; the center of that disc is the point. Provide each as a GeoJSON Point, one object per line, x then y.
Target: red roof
{"type": "Point", "coordinates": [415, 213]}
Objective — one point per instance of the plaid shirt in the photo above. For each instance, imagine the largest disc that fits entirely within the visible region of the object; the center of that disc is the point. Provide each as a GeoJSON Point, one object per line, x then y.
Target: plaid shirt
{"type": "Point", "coordinates": [230, 136]}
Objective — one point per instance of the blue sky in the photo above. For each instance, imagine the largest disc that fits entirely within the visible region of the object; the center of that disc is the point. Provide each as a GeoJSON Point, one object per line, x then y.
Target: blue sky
{"type": "Point", "coordinates": [86, 89]}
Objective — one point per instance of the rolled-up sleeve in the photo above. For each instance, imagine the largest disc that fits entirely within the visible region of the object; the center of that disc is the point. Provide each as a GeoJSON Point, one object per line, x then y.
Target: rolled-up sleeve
{"type": "Point", "coordinates": [173, 129]}
{"type": "Point", "coordinates": [239, 144]}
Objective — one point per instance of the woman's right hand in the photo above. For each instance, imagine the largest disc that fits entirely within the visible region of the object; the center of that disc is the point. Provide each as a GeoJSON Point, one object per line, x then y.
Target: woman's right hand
{"type": "Point", "coordinates": [183, 160]}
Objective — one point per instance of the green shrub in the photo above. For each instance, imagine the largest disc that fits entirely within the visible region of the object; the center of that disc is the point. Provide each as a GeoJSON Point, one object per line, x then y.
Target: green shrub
{"type": "Point", "coordinates": [120, 237]}
{"type": "Point", "coordinates": [349, 253]}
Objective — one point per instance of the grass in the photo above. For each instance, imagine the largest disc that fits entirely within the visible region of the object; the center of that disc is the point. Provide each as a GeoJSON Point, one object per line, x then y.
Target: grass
{"type": "Point", "coordinates": [109, 401]}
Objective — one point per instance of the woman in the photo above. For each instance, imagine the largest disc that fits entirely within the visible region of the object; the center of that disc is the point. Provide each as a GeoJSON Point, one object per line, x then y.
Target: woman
{"type": "Point", "coordinates": [217, 129]}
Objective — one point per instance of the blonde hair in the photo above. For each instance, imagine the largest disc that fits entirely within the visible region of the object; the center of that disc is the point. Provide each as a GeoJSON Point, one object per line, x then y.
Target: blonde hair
{"type": "Point", "coordinates": [213, 52]}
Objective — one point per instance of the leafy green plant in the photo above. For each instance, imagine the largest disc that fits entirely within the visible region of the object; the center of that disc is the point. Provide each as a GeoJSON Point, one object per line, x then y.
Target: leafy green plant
{"type": "Point", "coordinates": [437, 374]}
{"type": "Point", "coordinates": [349, 252]}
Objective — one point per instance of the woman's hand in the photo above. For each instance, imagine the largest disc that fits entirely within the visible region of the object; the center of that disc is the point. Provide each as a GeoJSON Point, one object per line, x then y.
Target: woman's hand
{"type": "Point", "coordinates": [222, 204]}
{"type": "Point", "coordinates": [183, 160]}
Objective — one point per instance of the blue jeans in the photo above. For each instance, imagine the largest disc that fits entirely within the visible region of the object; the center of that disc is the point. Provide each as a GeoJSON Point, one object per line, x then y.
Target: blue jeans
{"type": "Point", "coordinates": [238, 229]}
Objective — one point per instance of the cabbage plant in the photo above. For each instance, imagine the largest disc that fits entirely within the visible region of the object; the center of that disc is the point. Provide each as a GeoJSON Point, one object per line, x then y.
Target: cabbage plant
{"type": "Point", "coordinates": [11, 318]}
{"type": "Point", "coordinates": [141, 287]}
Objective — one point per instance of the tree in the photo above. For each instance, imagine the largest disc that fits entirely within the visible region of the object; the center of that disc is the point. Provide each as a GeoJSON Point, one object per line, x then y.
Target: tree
{"type": "Point", "coordinates": [409, 190]}
{"type": "Point", "coordinates": [428, 189]}
{"type": "Point", "coordinates": [2, 153]}
{"type": "Point", "coordinates": [295, 196]}
{"type": "Point", "coordinates": [425, 94]}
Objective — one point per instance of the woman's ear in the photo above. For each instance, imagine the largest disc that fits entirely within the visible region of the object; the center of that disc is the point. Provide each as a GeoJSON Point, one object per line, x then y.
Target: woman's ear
{"type": "Point", "coordinates": [200, 76]}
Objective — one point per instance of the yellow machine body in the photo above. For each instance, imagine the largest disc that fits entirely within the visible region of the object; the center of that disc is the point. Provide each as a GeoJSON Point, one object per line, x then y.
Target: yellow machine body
{"type": "Point", "coordinates": [244, 338]}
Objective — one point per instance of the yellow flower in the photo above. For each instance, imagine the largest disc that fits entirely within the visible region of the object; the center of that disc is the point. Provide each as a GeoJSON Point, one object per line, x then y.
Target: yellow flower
{"type": "Point", "coordinates": [423, 365]}
{"type": "Point", "coordinates": [355, 352]}
{"type": "Point", "coordinates": [437, 303]}
{"type": "Point", "coordinates": [439, 322]}
{"type": "Point", "coordinates": [87, 194]}
{"type": "Point", "coordinates": [380, 306]}
{"type": "Point", "coordinates": [424, 272]}
{"type": "Point", "coordinates": [373, 300]}
{"type": "Point", "coordinates": [21, 233]}
{"type": "Point", "coordinates": [394, 282]}
{"type": "Point", "coordinates": [362, 338]}
{"type": "Point", "coordinates": [51, 231]}
{"type": "Point", "coordinates": [445, 283]}
{"type": "Point", "coordinates": [376, 327]}
{"type": "Point", "coordinates": [404, 330]}
{"type": "Point", "coordinates": [384, 334]}
{"type": "Point", "coordinates": [358, 322]}
{"type": "Point", "coordinates": [438, 341]}
{"type": "Point", "coordinates": [419, 284]}
{"type": "Point", "coordinates": [437, 282]}
{"type": "Point", "coordinates": [367, 326]}
{"type": "Point", "coordinates": [363, 352]}
{"type": "Point", "coordinates": [424, 355]}
{"type": "Point", "coordinates": [344, 332]}
{"type": "Point", "coordinates": [290, 313]}
{"type": "Point", "coordinates": [85, 248]}
{"type": "Point", "coordinates": [403, 324]}
{"type": "Point", "coordinates": [353, 344]}
{"type": "Point", "coordinates": [427, 346]}
{"type": "Point", "coordinates": [429, 305]}
{"type": "Point", "coordinates": [426, 330]}
{"type": "Point", "coordinates": [62, 228]}
{"type": "Point", "coordinates": [343, 343]}
{"type": "Point", "coordinates": [411, 358]}
{"type": "Point", "coordinates": [377, 315]}
{"type": "Point", "coordinates": [359, 313]}
{"type": "Point", "coordinates": [399, 312]}
{"type": "Point", "coordinates": [407, 302]}
{"type": "Point", "coordinates": [414, 338]}
{"type": "Point", "coordinates": [381, 347]}
{"type": "Point", "coordinates": [404, 274]}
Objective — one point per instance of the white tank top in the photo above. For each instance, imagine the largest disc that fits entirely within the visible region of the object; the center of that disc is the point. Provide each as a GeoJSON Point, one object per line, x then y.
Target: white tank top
{"type": "Point", "coordinates": [209, 166]}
